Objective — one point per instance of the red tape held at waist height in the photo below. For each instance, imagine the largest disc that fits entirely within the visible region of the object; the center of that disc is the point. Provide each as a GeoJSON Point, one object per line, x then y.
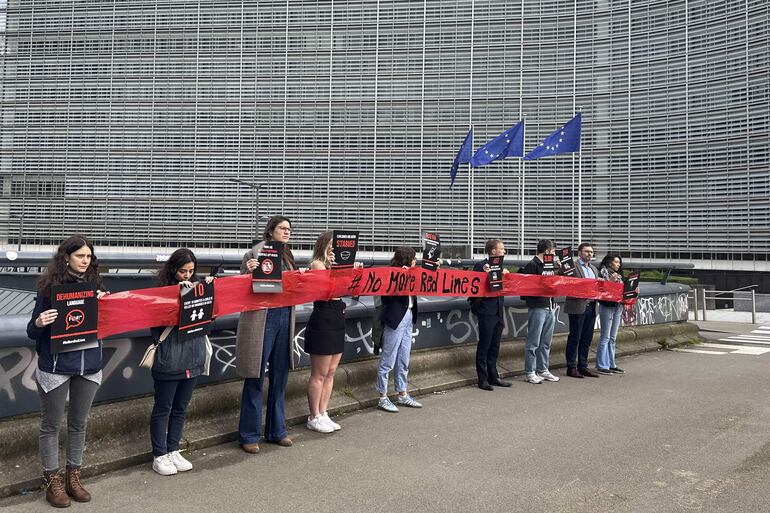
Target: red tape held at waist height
{"type": "Point", "coordinates": [159, 306]}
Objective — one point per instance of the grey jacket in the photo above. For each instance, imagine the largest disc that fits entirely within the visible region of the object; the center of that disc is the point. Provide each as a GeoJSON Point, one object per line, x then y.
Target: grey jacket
{"type": "Point", "coordinates": [576, 305]}
{"type": "Point", "coordinates": [251, 333]}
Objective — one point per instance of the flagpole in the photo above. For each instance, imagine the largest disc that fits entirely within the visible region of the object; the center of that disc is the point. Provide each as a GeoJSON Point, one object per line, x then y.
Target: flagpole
{"type": "Point", "coordinates": [580, 186]}
{"type": "Point", "coordinates": [524, 133]}
{"type": "Point", "coordinates": [574, 94]}
{"type": "Point", "coordinates": [470, 122]}
{"type": "Point", "coordinates": [521, 179]}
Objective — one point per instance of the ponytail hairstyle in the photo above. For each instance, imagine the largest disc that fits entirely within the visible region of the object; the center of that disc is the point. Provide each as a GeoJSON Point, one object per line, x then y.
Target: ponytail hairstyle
{"type": "Point", "coordinates": [56, 270]}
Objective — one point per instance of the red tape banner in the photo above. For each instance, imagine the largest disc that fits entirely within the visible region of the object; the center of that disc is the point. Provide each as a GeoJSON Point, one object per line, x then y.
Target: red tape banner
{"type": "Point", "coordinates": [137, 309]}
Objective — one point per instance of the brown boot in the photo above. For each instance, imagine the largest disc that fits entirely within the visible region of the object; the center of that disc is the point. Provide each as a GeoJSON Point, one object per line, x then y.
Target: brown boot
{"type": "Point", "coordinates": [73, 486]}
{"type": "Point", "coordinates": [54, 491]}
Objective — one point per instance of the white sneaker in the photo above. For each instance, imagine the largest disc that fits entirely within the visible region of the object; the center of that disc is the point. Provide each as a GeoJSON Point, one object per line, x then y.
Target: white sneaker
{"type": "Point", "coordinates": [179, 461]}
{"type": "Point", "coordinates": [330, 422]}
{"type": "Point", "coordinates": [534, 378]}
{"type": "Point", "coordinates": [163, 466]}
{"type": "Point", "coordinates": [546, 375]}
{"type": "Point", "coordinates": [317, 424]}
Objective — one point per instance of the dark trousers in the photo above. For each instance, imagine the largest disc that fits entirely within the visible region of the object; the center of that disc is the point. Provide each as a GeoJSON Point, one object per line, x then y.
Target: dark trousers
{"type": "Point", "coordinates": [167, 420]}
{"type": "Point", "coordinates": [581, 332]}
{"type": "Point", "coordinates": [490, 331]}
{"type": "Point", "coordinates": [275, 357]}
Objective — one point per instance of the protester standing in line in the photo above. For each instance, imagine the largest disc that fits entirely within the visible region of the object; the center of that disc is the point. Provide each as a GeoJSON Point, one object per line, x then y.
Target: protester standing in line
{"type": "Point", "coordinates": [610, 315]}
{"type": "Point", "coordinates": [399, 313]}
{"type": "Point", "coordinates": [175, 370]}
{"type": "Point", "coordinates": [264, 342]}
{"type": "Point", "coordinates": [541, 320]}
{"type": "Point", "coordinates": [75, 373]}
{"type": "Point", "coordinates": [582, 317]}
{"type": "Point", "coordinates": [489, 313]}
{"type": "Point", "coordinates": [324, 342]}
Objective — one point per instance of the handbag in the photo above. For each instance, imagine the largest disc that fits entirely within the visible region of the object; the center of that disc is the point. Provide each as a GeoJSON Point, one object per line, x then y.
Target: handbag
{"type": "Point", "coordinates": [149, 355]}
{"type": "Point", "coordinates": [209, 353]}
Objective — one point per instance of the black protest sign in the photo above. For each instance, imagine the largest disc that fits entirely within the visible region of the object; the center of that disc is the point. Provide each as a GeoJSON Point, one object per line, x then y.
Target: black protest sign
{"type": "Point", "coordinates": [630, 284]}
{"type": "Point", "coordinates": [567, 264]}
{"type": "Point", "coordinates": [495, 272]}
{"type": "Point", "coordinates": [431, 251]}
{"type": "Point", "coordinates": [345, 247]}
{"type": "Point", "coordinates": [196, 310]}
{"type": "Point", "coordinates": [267, 276]}
{"type": "Point", "coordinates": [548, 269]}
{"type": "Point", "coordinates": [78, 317]}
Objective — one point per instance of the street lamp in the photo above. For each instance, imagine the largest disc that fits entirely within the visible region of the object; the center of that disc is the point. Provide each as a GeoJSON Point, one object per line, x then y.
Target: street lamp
{"type": "Point", "coordinates": [256, 187]}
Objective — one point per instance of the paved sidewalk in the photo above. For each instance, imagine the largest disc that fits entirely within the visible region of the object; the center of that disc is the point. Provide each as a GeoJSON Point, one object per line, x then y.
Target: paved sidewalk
{"type": "Point", "coordinates": [680, 432]}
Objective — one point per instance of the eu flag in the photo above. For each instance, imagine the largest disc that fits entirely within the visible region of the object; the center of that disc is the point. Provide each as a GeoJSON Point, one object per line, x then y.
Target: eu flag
{"type": "Point", "coordinates": [564, 140]}
{"type": "Point", "coordinates": [463, 156]}
{"type": "Point", "coordinates": [508, 144]}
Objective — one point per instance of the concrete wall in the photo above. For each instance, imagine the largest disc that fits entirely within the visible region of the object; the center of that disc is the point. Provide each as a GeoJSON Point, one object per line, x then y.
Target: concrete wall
{"type": "Point", "coordinates": [441, 322]}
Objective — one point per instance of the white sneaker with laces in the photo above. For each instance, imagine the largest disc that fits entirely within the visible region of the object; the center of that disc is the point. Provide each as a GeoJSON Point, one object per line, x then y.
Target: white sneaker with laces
{"type": "Point", "coordinates": [317, 424]}
{"type": "Point", "coordinates": [546, 375]}
{"type": "Point", "coordinates": [534, 378]}
{"type": "Point", "coordinates": [179, 461]}
{"type": "Point", "coordinates": [163, 466]}
{"type": "Point", "coordinates": [330, 422]}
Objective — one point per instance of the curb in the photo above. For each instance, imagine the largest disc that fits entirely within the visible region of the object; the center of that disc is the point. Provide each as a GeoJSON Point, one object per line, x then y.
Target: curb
{"type": "Point", "coordinates": [118, 432]}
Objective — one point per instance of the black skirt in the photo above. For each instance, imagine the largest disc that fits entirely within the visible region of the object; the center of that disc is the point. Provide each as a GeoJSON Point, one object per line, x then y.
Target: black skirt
{"type": "Point", "coordinates": [325, 330]}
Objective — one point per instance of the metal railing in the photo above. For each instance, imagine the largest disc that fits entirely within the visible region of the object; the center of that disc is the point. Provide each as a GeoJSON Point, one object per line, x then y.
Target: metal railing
{"type": "Point", "coordinates": [700, 295]}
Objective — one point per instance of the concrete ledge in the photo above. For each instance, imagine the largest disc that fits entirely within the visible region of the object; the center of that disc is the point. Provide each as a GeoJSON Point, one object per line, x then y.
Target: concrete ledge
{"type": "Point", "coordinates": [118, 432]}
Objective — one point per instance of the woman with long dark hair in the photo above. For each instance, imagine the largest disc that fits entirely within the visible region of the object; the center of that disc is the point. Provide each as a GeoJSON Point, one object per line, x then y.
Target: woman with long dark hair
{"type": "Point", "coordinates": [175, 370]}
{"type": "Point", "coordinates": [76, 374]}
{"type": "Point", "coordinates": [399, 313]}
{"type": "Point", "coordinates": [324, 342]}
{"type": "Point", "coordinates": [264, 341]}
{"type": "Point", "coordinates": [610, 315]}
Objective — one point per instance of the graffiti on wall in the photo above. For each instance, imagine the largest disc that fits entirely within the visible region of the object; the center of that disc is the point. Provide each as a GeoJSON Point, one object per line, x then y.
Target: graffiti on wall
{"type": "Point", "coordinates": [123, 377]}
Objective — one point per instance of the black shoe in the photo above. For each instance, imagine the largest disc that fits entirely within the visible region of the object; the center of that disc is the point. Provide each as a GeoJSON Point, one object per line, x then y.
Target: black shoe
{"type": "Point", "coordinates": [573, 373]}
{"type": "Point", "coordinates": [485, 386]}
{"type": "Point", "coordinates": [607, 372]}
{"type": "Point", "coordinates": [588, 373]}
{"type": "Point", "coordinates": [499, 383]}
{"type": "Point", "coordinates": [617, 370]}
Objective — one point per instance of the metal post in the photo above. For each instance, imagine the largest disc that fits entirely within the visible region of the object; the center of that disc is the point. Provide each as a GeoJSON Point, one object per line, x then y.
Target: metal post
{"type": "Point", "coordinates": [753, 307]}
{"type": "Point", "coordinates": [695, 303]}
{"type": "Point", "coordinates": [704, 303]}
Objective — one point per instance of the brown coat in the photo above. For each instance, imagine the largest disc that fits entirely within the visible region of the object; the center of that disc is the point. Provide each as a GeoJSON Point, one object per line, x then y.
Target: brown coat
{"type": "Point", "coordinates": [251, 333]}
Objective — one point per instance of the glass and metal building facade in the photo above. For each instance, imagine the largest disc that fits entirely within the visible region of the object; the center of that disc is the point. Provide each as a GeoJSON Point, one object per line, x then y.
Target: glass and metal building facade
{"type": "Point", "coordinates": [150, 123]}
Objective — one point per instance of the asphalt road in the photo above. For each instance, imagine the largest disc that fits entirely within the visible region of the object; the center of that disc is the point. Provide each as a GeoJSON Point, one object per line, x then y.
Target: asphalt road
{"type": "Point", "coordinates": [680, 432]}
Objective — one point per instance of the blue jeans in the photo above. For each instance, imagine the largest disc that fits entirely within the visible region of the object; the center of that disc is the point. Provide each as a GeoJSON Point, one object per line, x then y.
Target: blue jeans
{"type": "Point", "coordinates": [540, 324]}
{"type": "Point", "coordinates": [609, 319]}
{"type": "Point", "coordinates": [396, 345]}
{"type": "Point", "coordinates": [275, 357]}
{"type": "Point", "coordinates": [581, 333]}
{"type": "Point", "coordinates": [168, 413]}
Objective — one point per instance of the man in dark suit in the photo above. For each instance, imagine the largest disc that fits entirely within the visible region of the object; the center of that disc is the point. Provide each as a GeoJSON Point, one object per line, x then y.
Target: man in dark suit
{"type": "Point", "coordinates": [489, 313]}
{"type": "Point", "coordinates": [582, 317]}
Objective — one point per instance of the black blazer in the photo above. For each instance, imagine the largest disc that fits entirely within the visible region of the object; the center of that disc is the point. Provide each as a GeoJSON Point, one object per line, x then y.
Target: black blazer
{"type": "Point", "coordinates": [487, 305]}
{"type": "Point", "coordinates": [394, 309]}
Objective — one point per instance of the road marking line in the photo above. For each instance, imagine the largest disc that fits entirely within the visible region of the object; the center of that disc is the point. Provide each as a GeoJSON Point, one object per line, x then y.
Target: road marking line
{"type": "Point", "coordinates": [752, 337]}
{"type": "Point", "coordinates": [698, 351]}
{"type": "Point", "coordinates": [754, 351]}
{"type": "Point", "coordinates": [739, 349]}
{"type": "Point", "coordinates": [738, 339]}
{"type": "Point", "coordinates": [761, 332]}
